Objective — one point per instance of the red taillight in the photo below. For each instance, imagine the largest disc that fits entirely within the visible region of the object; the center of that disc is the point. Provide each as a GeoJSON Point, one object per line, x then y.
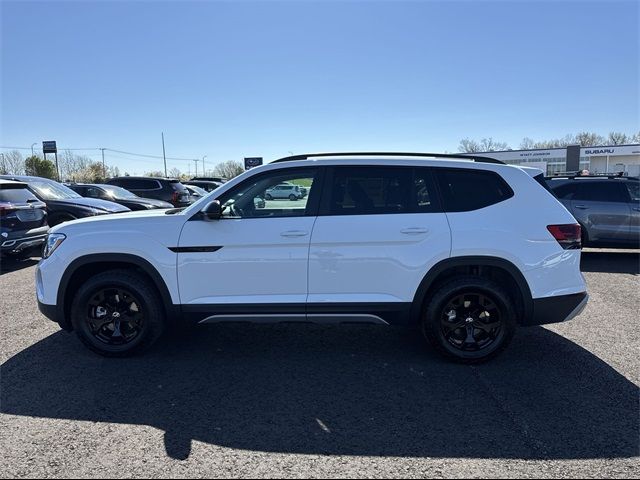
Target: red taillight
{"type": "Point", "coordinates": [568, 236]}
{"type": "Point", "coordinates": [175, 197]}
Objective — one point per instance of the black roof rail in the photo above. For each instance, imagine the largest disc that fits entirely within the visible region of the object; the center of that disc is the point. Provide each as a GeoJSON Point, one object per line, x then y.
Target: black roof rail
{"type": "Point", "coordinates": [608, 176]}
{"type": "Point", "coordinates": [459, 156]}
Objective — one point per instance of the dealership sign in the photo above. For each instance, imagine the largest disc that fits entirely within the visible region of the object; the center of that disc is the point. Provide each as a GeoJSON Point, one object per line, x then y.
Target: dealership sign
{"type": "Point", "coordinates": [250, 162]}
{"type": "Point", "coordinates": [49, 147]}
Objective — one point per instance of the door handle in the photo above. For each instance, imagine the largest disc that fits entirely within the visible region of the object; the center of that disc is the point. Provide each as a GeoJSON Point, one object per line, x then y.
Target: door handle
{"type": "Point", "coordinates": [294, 233]}
{"type": "Point", "coordinates": [581, 207]}
{"type": "Point", "coordinates": [637, 209]}
{"type": "Point", "coordinates": [414, 230]}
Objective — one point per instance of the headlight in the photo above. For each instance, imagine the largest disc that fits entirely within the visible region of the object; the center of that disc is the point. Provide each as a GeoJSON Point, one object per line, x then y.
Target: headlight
{"type": "Point", "coordinates": [53, 242]}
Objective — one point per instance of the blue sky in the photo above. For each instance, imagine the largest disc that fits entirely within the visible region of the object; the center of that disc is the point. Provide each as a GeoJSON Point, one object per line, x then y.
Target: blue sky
{"type": "Point", "coordinates": [234, 79]}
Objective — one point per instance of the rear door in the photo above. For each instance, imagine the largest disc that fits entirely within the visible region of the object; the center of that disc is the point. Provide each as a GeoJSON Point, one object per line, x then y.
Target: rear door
{"type": "Point", "coordinates": [602, 206]}
{"type": "Point", "coordinates": [379, 230]}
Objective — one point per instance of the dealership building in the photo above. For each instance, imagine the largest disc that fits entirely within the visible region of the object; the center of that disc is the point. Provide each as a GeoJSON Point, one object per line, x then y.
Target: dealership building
{"type": "Point", "coordinates": [602, 159]}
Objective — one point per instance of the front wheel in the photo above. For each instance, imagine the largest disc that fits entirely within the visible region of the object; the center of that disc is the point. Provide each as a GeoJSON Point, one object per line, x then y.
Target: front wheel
{"type": "Point", "coordinates": [268, 197]}
{"type": "Point", "coordinates": [469, 319]}
{"type": "Point", "coordinates": [117, 313]}
{"type": "Point", "coordinates": [292, 197]}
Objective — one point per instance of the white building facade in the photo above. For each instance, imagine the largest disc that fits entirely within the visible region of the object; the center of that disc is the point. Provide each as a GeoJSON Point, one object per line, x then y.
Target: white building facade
{"type": "Point", "coordinates": [601, 159]}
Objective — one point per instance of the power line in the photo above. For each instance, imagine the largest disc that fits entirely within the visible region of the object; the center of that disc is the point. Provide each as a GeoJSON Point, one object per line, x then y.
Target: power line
{"type": "Point", "coordinates": [110, 150]}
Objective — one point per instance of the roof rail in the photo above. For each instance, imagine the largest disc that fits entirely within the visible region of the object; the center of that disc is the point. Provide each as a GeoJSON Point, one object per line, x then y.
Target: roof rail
{"type": "Point", "coordinates": [573, 176]}
{"type": "Point", "coordinates": [460, 156]}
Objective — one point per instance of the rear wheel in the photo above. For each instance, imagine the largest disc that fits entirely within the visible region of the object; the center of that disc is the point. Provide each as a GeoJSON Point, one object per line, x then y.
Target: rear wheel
{"type": "Point", "coordinates": [292, 197]}
{"type": "Point", "coordinates": [268, 197]}
{"type": "Point", "coordinates": [117, 313]}
{"type": "Point", "coordinates": [469, 319]}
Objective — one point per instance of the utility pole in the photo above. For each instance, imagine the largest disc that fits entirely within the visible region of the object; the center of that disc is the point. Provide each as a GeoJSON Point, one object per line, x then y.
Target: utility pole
{"type": "Point", "coordinates": [204, 172]}
{"type": "Point", "coordinates": [196, 162]}
{"type": "Point", "coordinates": [104, 169]}
{"type": "Point", "coordinates": [164, 156]}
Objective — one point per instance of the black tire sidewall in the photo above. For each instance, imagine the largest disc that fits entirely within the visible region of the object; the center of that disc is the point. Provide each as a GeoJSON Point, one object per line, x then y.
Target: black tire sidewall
{"type": "Point", "coordinates": [140, 287]}
{"type": "Point", "coordinates": [292, 197]}
{"type": "Point", "coordinates": [437, 302]}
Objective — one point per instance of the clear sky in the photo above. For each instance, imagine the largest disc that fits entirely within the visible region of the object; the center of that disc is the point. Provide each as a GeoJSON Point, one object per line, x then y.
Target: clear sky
{"type": "Point", "coordinates": [234, 79]}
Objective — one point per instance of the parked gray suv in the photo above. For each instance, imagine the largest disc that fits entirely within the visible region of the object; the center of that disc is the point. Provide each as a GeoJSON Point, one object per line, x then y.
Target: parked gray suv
{"type": "Point", "coordinates": [608, 208]}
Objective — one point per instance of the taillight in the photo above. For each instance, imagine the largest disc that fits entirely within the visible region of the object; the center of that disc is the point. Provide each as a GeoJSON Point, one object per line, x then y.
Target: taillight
{"type": "Point", "coordinates": [569, 236]}
{"type": "Point", "coordinates": [175, 197]}
{"type": "Point", "coordinates": [5, 210]}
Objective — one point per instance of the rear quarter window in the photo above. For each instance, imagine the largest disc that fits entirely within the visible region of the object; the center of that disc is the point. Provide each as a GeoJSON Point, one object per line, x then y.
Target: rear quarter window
{"type": "Point", "coordinates": [465, 190]}
{"type": "Point", "coordinates": [16, 195]}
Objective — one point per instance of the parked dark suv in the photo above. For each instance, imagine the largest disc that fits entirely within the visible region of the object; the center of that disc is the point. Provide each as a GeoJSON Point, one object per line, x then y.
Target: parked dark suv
{"type": "Point", "coordinates": [118, 195]}
{"type": "Point", "coordinates": [23, 219]}
{"type": "Point", "coordinates": [607, 208]}
{"type": "Point", "coordinates": [165, 189]}
{"type": "Point", "coordinates": [63, 204]}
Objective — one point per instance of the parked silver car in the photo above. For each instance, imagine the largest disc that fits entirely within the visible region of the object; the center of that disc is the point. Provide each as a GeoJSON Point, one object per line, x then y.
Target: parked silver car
{"type": "Point", "coordinates": [608, 208]}
{"type": "Point", "coordinates": [284, 190]}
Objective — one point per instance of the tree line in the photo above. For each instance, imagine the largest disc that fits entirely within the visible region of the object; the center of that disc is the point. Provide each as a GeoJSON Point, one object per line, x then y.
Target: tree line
{"type": "Point", "coordinates": [75, 168]}
{"type": "Point", "coordinates": [584, 139]}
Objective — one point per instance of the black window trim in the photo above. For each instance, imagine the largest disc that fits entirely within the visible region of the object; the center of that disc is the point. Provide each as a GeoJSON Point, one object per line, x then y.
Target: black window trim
{"type": "Point", "coordinates": [313, 202]}
{"type": "Point", "coordinates": [623, 191]}
{"type": "Point", "coordinates": [327, 192]}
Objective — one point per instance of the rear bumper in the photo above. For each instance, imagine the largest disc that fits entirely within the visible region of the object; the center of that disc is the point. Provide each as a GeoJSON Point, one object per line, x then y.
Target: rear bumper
{"type": "Point", "coordinates": [557, 309]}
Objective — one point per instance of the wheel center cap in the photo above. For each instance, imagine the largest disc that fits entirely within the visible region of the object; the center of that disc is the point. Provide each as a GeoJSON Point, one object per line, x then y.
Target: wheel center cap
{"type": "Point", "coordinates": [469, 320]}
{"type": "Point", "coordinates": [115, 315]}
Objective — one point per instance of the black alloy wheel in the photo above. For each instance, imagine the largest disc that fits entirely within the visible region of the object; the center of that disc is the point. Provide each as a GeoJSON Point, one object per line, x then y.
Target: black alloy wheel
{"type": "Point", "coordinates": [471, 321]}
{"type": "Point", "coordinates": [115, 316]}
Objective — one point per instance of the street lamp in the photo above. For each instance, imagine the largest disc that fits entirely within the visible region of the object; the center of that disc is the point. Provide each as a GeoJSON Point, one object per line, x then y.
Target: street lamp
{"type": "Point", "coordinates": [204, 172]}
{"type": "Point", "coordinates": [34, 143]}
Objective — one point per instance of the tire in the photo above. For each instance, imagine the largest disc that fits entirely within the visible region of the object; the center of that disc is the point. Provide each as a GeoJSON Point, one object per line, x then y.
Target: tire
{"type": "Point", "coordinates": [446, 324]}
{"type": "Point", "coordinates": [145, 310]}
{"type": "Point", "coordinates": [292, 197]}
{"type": "Point", "coordinates": [268, 197]}
{"type": "Point", "coordinates": [60, 218]}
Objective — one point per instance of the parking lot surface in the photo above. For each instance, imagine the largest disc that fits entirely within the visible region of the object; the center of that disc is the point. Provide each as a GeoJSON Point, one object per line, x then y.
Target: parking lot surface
{"type": "Point", "coordinates": [314, 401]}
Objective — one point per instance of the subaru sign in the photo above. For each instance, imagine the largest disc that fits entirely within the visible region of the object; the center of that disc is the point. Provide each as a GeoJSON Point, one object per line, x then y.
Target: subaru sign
{"type": "Point", "coordinates": [250, 162]}
{"type": "Point", "coordinates": [49, 147]}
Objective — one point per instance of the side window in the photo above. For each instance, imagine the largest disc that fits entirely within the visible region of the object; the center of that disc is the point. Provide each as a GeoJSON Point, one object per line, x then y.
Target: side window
{"type": "Point", "coordinates": [250, 200]}
{"type": "Point", "coordinates": [371, 190]}
{"type": "Point", "coordinates": [634, 191]}
{"type": "Point", "coordinates": [588, 190]}
{"type": "Point", "coordinates": [464, 190]}
{"type": "Point", "coordinates": [426, 199]}
{"type": "Point", "coordinates": [92, 192]}
{"type": "Point", "coordinates": [566, 191]}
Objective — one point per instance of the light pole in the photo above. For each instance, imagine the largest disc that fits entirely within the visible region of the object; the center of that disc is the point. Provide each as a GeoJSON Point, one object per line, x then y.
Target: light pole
{"type": "Point", "coordinates": [104, 169]}
{"type": "Point", "coordinates": [204, 172]}
{"type": "Point", "coordinates": [196, 162]}
{"type": "Point", "coordinates": [32, 153]}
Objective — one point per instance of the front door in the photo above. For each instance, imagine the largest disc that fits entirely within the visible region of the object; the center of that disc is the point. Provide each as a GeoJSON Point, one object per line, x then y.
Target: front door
{"type": "Point", "coordinates": [254, 259]}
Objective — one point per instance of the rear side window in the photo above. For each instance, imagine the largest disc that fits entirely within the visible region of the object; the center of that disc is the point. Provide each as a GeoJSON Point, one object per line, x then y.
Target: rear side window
{"type": "Point", "coordinates": [466, 190]}
{"type": "Point", "coordinates": [634, 191]}
{"type": "Point", "coordinates": [178, 187]}
{"type": "Point", "coordinates": [17, 195]}
{"type": "Point", "coordinates": [587, 190]}
{"type": "Point", "coordinates": [382, 190]}
{"type": "Point", "coordinates": [564, 191]}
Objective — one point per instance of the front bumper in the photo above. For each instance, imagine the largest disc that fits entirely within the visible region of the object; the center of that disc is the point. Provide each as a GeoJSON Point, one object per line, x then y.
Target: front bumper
{"type": "Point", "coordinates": [17, 245]}
{"type": "Point", "coordinates": [557, 309]}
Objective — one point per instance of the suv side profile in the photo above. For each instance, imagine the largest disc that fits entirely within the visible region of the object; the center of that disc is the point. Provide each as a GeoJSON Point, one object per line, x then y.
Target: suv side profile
{"type": "Point", "coordinates": [166, 189]}
{"type": "Point", "coordinates": [283, 191]}
{"type": "Point", "coordinates": [463, 248]}
{"type": "Point", "coordinates": [607, 208]}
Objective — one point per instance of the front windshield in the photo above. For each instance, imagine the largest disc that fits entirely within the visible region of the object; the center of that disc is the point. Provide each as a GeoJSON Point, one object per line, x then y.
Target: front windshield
{"type": "Point", "coordinates": [118, 192]}
{"type": "Point", "coordinates": [50, 190]}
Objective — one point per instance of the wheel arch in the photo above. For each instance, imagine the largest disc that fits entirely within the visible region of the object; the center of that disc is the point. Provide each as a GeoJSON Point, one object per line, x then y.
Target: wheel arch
{"type": "Point", "coordinates": [91, 264]}
{"type": "Point", "coordinates": [481, 266]}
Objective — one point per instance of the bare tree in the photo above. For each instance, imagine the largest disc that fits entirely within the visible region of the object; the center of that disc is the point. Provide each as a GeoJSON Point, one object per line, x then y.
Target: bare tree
{"type": "Point", "coordinates": [490, 145]}
{"type": "Point", "coordinates": [468, 146]}
{"type": "Point", "coordinates": [229, 169]}
{"type": "Point", "coordinates": [175, 173]}
{"type": "Point", "coordinates": [154, 173]}
{"type": "Point", "coordinates": [617, 138]}
{"type": "Point", "coordinates": [13, 163]}
{"type": "Point", "coordinates": [527, 143]}
{"type": "Point", "coordinates": [635, 138]}
{"type": "Point", "coordinates": [589, 139]}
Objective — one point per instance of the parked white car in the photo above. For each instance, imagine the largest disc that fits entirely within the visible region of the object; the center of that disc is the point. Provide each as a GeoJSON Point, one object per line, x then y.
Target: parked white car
{"type": "Point", "coordinates": [283, 191]}
{"type": "Point", "coordinates": [464, 248]}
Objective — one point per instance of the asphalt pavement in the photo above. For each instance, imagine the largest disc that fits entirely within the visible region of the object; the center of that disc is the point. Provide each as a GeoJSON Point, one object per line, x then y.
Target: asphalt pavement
{"type": "Point", "coordinates": [318, 401]}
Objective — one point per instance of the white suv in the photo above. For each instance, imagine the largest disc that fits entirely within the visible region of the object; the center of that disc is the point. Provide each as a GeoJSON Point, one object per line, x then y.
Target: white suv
{"type": "Point", "coordinates": [464, 248]}
{"type": "Point", "coordinates": [292, 192]}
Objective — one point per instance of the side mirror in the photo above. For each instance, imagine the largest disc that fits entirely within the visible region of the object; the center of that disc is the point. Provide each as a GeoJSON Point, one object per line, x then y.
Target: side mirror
{"type": "Point", "coordinates": [213, 210]}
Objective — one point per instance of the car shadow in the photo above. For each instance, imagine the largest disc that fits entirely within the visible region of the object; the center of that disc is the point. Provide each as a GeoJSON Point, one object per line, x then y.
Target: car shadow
{"type": "Point", "coordinates": [352, 390]}
{"type": "Point", "coordinates": [10, 264]}
{"type": "Point", "coordinates": [611, 262]}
